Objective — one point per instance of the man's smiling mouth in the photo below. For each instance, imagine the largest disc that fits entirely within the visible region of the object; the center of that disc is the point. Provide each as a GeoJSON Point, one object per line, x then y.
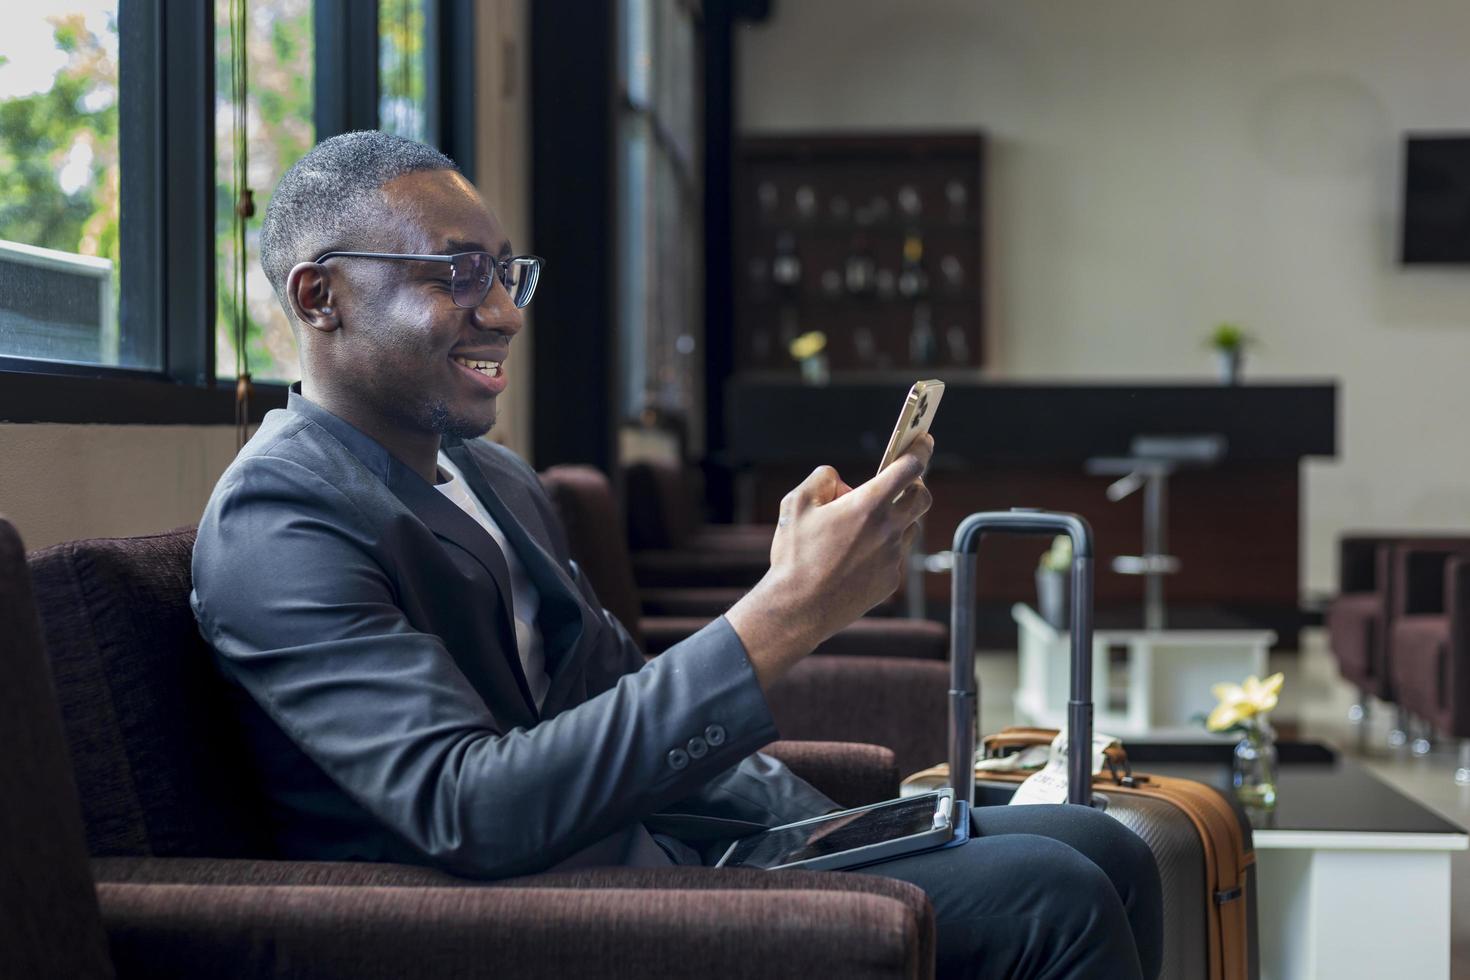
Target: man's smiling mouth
{"type": "Point", "coordinates": [487, 368]}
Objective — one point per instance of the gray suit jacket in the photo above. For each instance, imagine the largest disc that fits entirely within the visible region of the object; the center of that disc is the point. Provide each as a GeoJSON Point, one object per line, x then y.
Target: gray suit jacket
{"type": "Point", "coordinates": [364, 622]}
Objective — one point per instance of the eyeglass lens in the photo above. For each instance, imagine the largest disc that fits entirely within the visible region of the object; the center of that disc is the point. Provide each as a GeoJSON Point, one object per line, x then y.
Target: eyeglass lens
{"type": "Point", "coordinates": [470, 282]}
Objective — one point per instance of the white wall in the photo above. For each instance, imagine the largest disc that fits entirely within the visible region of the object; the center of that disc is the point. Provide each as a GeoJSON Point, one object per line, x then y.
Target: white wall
{"type": "Point", "coordinates": [1157, 166]}
{"type": "Point", "coordinates": [59, 482]}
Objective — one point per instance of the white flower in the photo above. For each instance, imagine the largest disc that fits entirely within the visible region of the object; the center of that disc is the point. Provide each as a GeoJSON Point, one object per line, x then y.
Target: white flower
{"type": "Point", "coordinates": [1241, 702]}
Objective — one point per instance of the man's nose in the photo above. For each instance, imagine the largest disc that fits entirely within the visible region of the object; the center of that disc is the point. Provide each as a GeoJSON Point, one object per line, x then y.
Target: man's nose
{"type": "Point", "coordinates": [497, 311]}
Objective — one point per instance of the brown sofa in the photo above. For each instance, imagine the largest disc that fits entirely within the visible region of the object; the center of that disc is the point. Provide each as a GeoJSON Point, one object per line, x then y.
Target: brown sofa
{"type": "Point", "coordinates": [141, 768]}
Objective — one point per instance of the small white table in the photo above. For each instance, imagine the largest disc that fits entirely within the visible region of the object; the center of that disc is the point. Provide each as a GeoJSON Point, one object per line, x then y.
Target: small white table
{"type": "Point", "coordinates": [1352, 877]}
{"type": "Point", "coordinates": [1169, 675]}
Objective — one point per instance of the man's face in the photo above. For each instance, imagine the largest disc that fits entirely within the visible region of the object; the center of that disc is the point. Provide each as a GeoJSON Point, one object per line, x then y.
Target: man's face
{"type": "Point", "coordinates": [404, 346]}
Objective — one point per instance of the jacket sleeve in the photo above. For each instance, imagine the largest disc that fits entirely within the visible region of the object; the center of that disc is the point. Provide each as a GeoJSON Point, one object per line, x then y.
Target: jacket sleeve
{"type": "Point", "coordinates": [295, 593]}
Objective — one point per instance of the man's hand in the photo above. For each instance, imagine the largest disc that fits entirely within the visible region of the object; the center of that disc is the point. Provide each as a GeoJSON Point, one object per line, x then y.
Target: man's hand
{"type": "Point", "coordinates": [838, 552]}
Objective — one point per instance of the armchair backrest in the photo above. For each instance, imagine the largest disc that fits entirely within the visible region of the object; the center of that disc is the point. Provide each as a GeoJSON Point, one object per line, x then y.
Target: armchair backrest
{"type": "Point", "coordinates": [583, 499]}
{"type": "Point", "coordinates": [160, 764]}
{"type": "Point", "coordinates": [661, 511]}
{"type": "Point", "coordinates": [1417, 581]}
{"type": "Point", "coordinates": [49, 922]}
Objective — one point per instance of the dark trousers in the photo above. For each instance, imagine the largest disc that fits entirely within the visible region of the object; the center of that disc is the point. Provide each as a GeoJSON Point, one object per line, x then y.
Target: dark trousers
{"type": "Point", "coordinates": [1042, 891]}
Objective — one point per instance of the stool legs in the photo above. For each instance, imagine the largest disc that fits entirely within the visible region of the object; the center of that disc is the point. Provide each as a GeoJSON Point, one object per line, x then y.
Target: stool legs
{"type": "Point", "coordinates": [1358, 710]}
{"type": "Point", "coordinates": [1398, 735]}
{"type": "Point", "coordinates": [1423, 742]}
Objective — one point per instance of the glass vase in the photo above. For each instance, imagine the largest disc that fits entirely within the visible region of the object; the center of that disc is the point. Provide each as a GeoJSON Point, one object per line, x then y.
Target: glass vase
{"type": "Point", "coordinates": [1255, 767]}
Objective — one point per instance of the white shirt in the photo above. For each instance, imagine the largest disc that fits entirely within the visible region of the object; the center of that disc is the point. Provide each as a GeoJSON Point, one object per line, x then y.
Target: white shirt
{"type": "Point", "coordinates": [525, 599]}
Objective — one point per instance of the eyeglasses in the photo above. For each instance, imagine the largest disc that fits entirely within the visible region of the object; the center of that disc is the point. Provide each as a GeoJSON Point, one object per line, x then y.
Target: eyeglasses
{"type": "Point", "coordinates": [471, 273]}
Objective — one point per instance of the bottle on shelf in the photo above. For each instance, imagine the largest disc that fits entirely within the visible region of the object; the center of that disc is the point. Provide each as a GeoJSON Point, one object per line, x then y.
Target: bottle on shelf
{"type": "Point", "coordinates": [958, 198]}
{"type": "Point", "coordinates": [953, 271]}
{"type": "Point", "coordinates": [786, 266]}
{"type": "Point", "coordinates": [860, 269]}
{"type": "Point", "coordinates": [909, 201]}
{"type": "Point", "coordinates": [923, 345]}
{"type": "Point", "coordinates": [959, 345]}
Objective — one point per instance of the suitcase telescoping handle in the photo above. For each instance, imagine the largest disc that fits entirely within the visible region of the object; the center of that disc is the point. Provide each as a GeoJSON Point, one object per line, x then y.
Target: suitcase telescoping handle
{"type": "Point", "coordinates": [962, 701]}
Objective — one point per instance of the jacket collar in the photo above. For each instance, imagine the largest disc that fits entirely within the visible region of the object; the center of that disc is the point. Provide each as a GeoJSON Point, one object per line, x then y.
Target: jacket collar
{"type": "Point", "coordinates": [560, 619]}
{"type": "Point", "coordinates": [438, 512]}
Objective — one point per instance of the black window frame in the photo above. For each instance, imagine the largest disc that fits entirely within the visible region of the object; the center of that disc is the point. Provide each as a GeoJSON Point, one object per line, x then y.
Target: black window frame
{"type": "Point", "coordinates": [166, 93]}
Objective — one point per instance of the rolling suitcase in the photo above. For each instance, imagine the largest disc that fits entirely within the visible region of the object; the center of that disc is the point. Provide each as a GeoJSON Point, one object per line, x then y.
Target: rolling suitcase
{"type": "Point", "coordinates": [1200, 840]}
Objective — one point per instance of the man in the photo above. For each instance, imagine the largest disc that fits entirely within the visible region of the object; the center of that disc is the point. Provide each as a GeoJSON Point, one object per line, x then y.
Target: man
{"type": "Point", "coordinates": [425, 676]}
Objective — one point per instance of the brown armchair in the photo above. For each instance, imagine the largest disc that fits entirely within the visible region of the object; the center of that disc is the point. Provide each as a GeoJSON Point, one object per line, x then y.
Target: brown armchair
{"type": "Point", "coordinates": [1430, 642]}
{"type": "Point", "coordinates": [156, 787]}
{"type": "Point", "coordinates": [1360, 620]}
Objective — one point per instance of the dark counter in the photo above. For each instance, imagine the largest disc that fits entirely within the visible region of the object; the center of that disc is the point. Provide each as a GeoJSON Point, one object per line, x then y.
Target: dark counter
{"type": "Point", "coordinates": [782, 421]}
{"type": "Point", "coordinates": [1235, 526]}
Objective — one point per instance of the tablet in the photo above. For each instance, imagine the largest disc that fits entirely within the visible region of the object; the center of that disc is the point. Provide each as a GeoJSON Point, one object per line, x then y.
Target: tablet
{"type": "Point", "coordinates": [852, 838]}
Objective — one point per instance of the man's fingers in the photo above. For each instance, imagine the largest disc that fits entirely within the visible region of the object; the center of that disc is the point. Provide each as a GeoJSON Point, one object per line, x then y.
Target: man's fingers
{"type": "Point", "coordinates": [822, 486]}
{"type": "Point", "coordinates": [923, 449]}
{"type": "Point", "coordinates": [891, 482]}
{"type": "Point", "coordinates": [907, 468]}
{"type": "Point", "coordinates": [913, 504]}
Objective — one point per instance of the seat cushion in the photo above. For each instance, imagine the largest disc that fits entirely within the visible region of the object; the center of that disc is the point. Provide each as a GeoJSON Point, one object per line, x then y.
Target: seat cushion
{"type": "Point", "coordinates": [1354, 624]}
{"type": "Point", "coordinates": [1419, 646]}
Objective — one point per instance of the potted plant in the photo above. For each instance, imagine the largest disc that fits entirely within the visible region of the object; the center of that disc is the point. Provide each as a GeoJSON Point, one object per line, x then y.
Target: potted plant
{"type": "Point", "coordinates": [1242, 710]}
{"type": "Point", "coordinates": [1229, 341]}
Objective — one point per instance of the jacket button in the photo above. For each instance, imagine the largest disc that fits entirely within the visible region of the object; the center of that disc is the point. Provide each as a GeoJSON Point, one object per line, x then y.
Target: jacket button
{"type": "Point", "coordinates": [715, 735]}
{"type": "Point", "coordinates": [678, 759]}
{"type": "Point", "coordinates": [697, 747]}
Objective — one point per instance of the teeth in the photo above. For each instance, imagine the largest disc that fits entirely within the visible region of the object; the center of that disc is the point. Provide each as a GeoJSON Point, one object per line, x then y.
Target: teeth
{"type": "Point", "coordinates": [490, 368]}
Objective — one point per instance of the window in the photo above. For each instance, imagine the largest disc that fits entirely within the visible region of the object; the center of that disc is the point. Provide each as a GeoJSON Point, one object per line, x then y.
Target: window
{"type": "Point", "coordinates": [279, 130]}
{"type": "Point", "coordinates": [403, 69]}
{"type": "Point", "coordinates": [659, 228]}
{"type": "Point", "coordinates": [116, 190]}
{"type": "Point", "coordinates": [60, 180]}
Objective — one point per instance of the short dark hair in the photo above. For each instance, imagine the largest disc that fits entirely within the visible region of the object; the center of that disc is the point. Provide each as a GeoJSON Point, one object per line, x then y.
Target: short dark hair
{"type": "Point", "coordinates": [329, 198]}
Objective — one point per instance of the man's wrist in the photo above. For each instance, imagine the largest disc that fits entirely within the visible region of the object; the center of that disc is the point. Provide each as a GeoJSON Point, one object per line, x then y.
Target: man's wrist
{"type": "Point", "coordinates": [775, 626]}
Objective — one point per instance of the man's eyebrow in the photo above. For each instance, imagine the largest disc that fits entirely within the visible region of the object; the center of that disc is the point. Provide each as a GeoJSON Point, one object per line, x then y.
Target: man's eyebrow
{"type": "Point", "coordinates": [456, 245]}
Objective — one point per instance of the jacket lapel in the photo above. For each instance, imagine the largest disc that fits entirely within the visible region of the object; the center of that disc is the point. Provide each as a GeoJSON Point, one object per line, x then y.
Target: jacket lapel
{"type": "Point", "coordinates": [560, 616]}
{"type": "Point", "coordinates": [448, 522]}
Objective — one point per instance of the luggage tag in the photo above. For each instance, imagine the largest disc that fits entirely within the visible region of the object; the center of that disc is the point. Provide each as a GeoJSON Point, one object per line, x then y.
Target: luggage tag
{"type": "Point", "coordinates": [1049, 784]}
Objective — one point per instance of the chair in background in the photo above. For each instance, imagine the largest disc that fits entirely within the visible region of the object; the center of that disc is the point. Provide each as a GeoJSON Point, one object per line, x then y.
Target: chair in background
{"type": "Point", "coordinates": [671, 543]}
{"type": "Point", "coordinates": [186, 881]}
{"type": "Point", "coordinates": [1360, 619]}
{"type": "Point", "coordinates": [584, 502]}
{"type": "Point", "coordinates": [1430, 643]}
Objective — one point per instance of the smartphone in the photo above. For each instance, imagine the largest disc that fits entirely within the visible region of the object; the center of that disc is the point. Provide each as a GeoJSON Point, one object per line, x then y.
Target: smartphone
{"type": "Point", "coordinates": [918, 412]}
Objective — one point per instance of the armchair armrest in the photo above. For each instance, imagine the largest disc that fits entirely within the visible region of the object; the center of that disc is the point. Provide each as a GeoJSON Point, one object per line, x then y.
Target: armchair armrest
{"type": "Point", "coordinates": [381, 932]}
{"type": "Point", "coordinates": [705, 569]}
{"type": "Point", "coordinates": [869, 637]}
{"type": "Point", "coordinates": [918, 638]}
{"type": "Point", "coordinates": [851, 773]}
{"type": "Point", "coordinates": [897, 702]}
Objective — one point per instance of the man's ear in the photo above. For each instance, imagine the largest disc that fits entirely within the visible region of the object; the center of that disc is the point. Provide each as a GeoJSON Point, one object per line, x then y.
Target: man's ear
{"type": "Point", "coordinates": [309, 290]}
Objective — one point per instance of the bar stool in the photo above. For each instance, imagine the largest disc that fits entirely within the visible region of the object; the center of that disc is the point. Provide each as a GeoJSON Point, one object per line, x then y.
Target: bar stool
{"type": "Point", "coordinates": [1151, 461]}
